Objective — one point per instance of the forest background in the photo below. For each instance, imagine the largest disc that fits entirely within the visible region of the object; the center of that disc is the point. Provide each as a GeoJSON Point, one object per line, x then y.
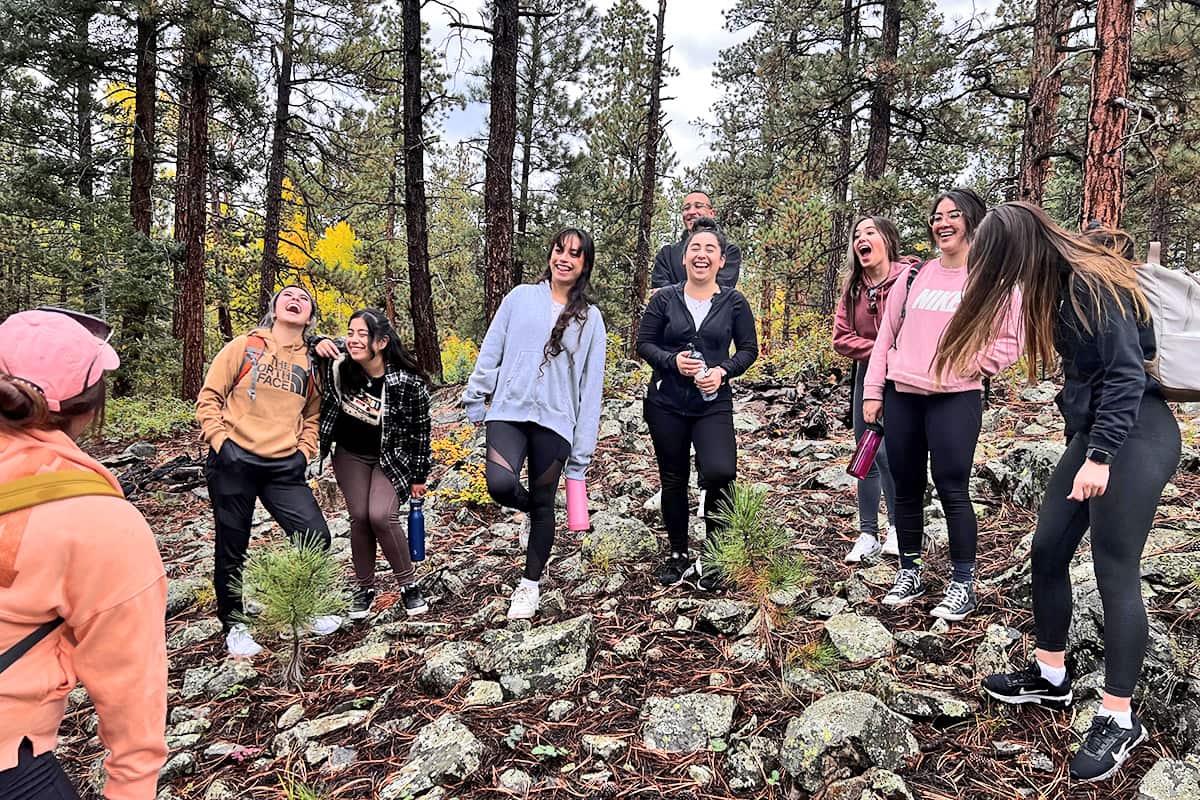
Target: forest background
{"type": "Point", "coordinates": [167, 163]}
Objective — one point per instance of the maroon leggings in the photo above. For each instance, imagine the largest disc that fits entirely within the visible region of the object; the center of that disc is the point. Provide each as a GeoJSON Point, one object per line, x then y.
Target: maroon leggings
{"type": "Point", "coordinates": [374, 517]}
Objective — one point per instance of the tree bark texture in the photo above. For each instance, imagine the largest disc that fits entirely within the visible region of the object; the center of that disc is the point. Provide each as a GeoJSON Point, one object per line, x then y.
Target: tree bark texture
{"type": "Point", "coordinates": [529, 108]}
{"type": "Point", "coordinates": [85, 104]}
{"type": "Point", "coordinates": [1045, 88]}
{"type": "Point", "coordinates": [181, 182]}
{"type": "Point", "coordinates": [141, 177]}
{"type": "Point", "coordinates": [882, 91]}
{"type": "Point", "coordinates": [1108, 118]}
{"type": "Point", "coordinates": [192, 280]}
{"type": "Point", "coordinates": [841, 179]}
{"type": "Point", "coordinates": [641, 258]}
{"type": "Point", "coordinates": [497, 181]}
{"type": "Point", "coordinates": [269, 269]}
{"type": "Point", "coordinates": [416, 212]}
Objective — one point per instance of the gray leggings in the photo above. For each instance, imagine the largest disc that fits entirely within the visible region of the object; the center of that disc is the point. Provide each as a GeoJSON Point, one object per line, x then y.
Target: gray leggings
{"type": "Point", "coordinates": [868, 487]}
{"type": "Point", "coordinates": [374, 517]}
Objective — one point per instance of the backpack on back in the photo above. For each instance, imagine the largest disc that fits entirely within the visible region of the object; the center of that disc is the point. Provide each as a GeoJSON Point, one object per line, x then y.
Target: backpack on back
{"type": "Point", "coordinates": [1174, 298]}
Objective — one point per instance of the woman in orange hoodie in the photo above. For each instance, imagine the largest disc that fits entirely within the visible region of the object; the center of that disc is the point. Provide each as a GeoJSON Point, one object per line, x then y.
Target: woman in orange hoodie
{"type": "Point", "coordinates": [82, 589]}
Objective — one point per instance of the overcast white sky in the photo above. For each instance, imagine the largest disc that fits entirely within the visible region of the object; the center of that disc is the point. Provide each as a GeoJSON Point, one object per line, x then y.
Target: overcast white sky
{"type": "Point", "coordinates": [695, 31]}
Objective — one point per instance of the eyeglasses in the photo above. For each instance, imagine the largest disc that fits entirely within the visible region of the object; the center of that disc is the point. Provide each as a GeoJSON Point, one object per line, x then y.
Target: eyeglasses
{"type": "Point", "coordinates": [93, 325]}
{"type": "Point", "coordinates": [696, 207]}
{"type": "Point", "coordinates": [934, 219]}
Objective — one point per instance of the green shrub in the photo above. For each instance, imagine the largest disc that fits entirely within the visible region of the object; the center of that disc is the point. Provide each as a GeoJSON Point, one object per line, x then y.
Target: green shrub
{"type": "Point", "coordinates": [808, 355]}
{"type": "Point", "coordinates": [621, 373]}
{"type": "Point", "coordinates": [458, 359]}
{"type": "Point", "coordinates": [147, 417]}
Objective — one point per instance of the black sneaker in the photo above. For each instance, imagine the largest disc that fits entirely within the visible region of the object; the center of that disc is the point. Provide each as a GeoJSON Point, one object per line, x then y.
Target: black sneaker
{"type": "Point", "coordinates": [706, 580]}
{"type": "Point", "coordinates": [1028, 686]}
{"type": "Point", "coordinates": [414, 601]}
{"type": "Point", "coordinates": [908, 587]}
{"type": "Point", "coordinates": [958, 602]}
{"type": "Point", "coordinates": [1105, 748]}
{"type": "Point", "coordinates": [673, 569]}
{"type": "Point", "coordinates": [360, 606]}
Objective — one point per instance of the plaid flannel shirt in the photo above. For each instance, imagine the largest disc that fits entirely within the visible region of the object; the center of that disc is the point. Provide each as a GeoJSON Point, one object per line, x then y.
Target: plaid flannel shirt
{"type": "Point", "coordinates": [404, 454]}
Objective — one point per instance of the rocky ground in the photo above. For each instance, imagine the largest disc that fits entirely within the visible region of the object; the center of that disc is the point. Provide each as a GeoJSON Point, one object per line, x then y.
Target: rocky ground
{"type": "Point", "coordinates": [622, 689]}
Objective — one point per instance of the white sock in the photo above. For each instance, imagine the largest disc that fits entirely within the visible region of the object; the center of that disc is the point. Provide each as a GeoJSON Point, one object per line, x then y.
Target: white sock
{"type": "Point", "coordinates": [528, 584]}
{"type": "Point", "coordinates": [1123, 718]}
{"type": "Point", "coordinates": [1055, 675]}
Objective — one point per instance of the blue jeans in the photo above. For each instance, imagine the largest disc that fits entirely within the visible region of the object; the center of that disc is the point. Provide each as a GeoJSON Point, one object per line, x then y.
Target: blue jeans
{"type": "Point", "coordinates": [880, 475]}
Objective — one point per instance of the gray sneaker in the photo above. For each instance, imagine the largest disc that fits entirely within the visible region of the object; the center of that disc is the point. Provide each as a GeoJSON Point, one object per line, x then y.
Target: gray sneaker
{"type": "Point", "coordinates": [908, 587]}
{"type": "Point", "coordinates": [958, 602]}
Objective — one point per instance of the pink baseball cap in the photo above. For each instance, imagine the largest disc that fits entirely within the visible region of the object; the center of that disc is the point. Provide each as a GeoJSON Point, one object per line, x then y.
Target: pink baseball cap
{"type": "Point", "coordinates": [53, 350]}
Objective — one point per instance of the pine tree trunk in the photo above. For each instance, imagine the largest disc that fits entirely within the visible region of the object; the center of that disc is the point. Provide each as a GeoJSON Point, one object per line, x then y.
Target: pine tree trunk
{"type": "Point", "coordinates": [91, 280]}
{"type": "Point", "coordinates": [497, 182]}
{"type": "Point", "coordinates": [191, 301]}
{"type": "Point", "coordinates": [880, 133]}
{"type": "Point", "coordinates": [766, 317]}
{"type": "Point", "coordinates": [1104, 161]}
{"type": "Point", "coordinates": [269, 270]}
{"type": "Point", "coordinates": [641, 258]}
{"type": "Point", "coordinates": [141, 178]}
{"type": "Point", "coordinates": [1045, 87]}
{"type": "Point", "coordinates": [416, 221]}
{"type": "Point", "coordinates": [179, 230]}
{"type": "Point", "coordinates": [224, 314]}
{"type": "Point", "coordinates": [529, 108]}
{"type": "Point", "coordinates": [841, 181]}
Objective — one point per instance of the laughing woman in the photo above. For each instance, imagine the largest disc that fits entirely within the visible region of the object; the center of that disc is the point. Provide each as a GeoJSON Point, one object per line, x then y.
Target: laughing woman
{"type": "Point", "coordinates": [542, 366]}
{"type": "Point", "coordinates": [1084, 309]}
{"type": "Point", "coordinates": [689, 402]}
{"type": "Point", "coordinates": [375, 407]}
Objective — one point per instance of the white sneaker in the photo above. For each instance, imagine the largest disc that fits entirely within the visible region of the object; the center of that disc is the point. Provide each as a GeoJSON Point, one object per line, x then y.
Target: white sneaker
{"type": "Point", "coordinates": [323, 626]}
{"type": "Point", "coordinates": [525, 602]}
{"type": "Point", "coordinates": [240, 643]}
{"type": "Point", "coordinates": [891, 543]}
{"type": "Point", "coordinates": [867, 546]}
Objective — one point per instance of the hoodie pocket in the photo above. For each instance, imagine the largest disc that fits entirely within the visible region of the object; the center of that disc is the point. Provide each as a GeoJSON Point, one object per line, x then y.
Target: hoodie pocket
{"type": "Point", "coordinates": [521, 379]}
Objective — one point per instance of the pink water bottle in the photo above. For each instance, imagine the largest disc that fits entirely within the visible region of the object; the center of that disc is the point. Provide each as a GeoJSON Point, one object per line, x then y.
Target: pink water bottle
{"type": "Point", "coordinates": [577, 505]}
{"type": "Point", "coordinates": [864, 456]}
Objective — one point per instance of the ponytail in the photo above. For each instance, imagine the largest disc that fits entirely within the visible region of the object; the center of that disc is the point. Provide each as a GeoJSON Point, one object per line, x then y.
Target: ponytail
{"type": "Point", "coordinates": [23, 407]}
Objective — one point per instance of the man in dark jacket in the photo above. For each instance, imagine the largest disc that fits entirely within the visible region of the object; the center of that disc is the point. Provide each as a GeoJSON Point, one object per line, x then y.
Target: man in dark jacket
{"type": "Point", "coordinates": [668, 263]}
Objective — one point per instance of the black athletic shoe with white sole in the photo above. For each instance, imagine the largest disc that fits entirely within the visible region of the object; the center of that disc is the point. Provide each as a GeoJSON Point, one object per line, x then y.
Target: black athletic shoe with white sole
{"type": "Point", "coordinates": [706, 580]}
{"type": "Point", "coordinates": [414, 601]}
{"type": "Point", "coordinates": [1028, 686]}
{"type": "Point", "coordinates": [673, 569]}
{"type": "Point", "coordinates": [364, 598]}
{"type": "Point", "coordinates": [1105, 748]}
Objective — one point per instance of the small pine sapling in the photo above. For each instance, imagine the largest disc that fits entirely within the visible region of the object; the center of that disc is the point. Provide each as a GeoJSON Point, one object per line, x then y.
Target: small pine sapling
{"type": "Point", "coordinates": [753, 552]}
{"type": "Point", "coordinates": [294, 585]}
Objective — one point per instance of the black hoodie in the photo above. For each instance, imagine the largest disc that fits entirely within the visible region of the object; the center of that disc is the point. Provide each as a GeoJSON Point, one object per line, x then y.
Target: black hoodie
{"type": "Point", "coordinates": [667, 329]}
{"type": "Point", "coordinates": [669, 269]}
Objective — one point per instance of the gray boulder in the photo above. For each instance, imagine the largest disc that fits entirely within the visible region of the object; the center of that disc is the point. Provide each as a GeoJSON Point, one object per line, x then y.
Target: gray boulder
{"type": "Point", "coordinates": [1171, 779]}
{"type": "Point", "coordinates": [297, 737]}
{"type": "Point", "coordinates": [617, 539]}
{"type": "Point", "coordinates": [181, 594]}
{"type": "Point", "coordinates": [1044, 392]}
{"type": "Point", "coordinates": [750, 762]}
{"type": "Point", "coordinates": [445, 750]}
{"type": "Point", "coordinates": [686, 722]}
{"type": "Point", "coordinates": [874, 784]}
{"type": "Point", "coordinates": [845, 729]}
{"type": "Point", "coordinates": [859, 638]}
{"type": "Point", "coordinates": [991, 654]}
{"type": "Point", "coordinates": [543, 660]}
{"type": "Point", "coordinates": [606, 748]}
{"type": "Point", "coordinates": [914, 701]}
{"type": "Point", "coordinates": [722, 614]}
{"type": "Point", "coordinates": [447, 664]}
{"type": "Point", "coordinates": [218, 679]}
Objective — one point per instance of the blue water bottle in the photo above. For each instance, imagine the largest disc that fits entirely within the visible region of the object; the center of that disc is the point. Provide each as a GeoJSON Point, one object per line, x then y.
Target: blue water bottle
{"type": "Point", "coordinates": [416, 529]}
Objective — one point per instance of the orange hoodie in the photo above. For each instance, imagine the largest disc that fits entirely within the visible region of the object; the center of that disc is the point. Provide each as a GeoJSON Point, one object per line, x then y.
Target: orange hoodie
{"type": "Point", "coordinates": [92, 561]}
{"type": "Point", "coordinates": [282, 416]}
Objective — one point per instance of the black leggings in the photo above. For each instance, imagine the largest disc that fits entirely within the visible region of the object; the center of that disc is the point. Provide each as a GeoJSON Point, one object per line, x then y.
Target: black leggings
{"type": "Point", "coordinates": [1120, 520]}
{"type": "Point", "coordinates": [508, 444]}
{"type": "Point", "coordinates": [36, 777]}
{"type": "Point", "coordinates": [673, 436]}
{"type": "Point", "coordinates": [944, 429]}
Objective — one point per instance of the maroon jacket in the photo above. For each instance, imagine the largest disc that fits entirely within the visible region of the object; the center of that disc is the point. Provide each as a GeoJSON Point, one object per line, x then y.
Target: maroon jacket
{"type": "Point", "coordinates": [854, 333]}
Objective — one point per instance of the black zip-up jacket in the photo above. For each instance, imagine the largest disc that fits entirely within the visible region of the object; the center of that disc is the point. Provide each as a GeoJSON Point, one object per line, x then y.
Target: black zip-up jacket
{"type": "Point", "coordinates": [669, 269]}
{"type": "Point", "coordinates": [1104, 371]}
{"type": "Point", "coordinates": [667, 329]}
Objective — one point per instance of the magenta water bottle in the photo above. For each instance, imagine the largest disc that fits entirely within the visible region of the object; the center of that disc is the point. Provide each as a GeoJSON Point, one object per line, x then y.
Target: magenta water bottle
{"type": "Point", "coordinates": [864, 456]}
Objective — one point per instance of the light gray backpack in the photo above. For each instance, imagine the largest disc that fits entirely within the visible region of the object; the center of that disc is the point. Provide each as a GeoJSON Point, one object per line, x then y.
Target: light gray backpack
{"type": "Point", "coordinates": [1174, 297]}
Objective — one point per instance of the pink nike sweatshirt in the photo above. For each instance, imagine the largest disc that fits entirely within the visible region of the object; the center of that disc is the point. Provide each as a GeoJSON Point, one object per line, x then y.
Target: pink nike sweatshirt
{"type": "Point", "coordinates": [904, 354]}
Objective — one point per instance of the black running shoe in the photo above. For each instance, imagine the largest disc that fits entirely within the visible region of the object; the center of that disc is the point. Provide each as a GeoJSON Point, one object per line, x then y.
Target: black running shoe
{"type": "Point", "coordinates": [673, 569]}
{"type": "Point", "coordinates": [1105, 748]}
{"type": "Point", "coordinates": [360, 606]}
{"type": "Point", "coordinates": [414, 601]}
{"type": "Point", "coordinates": [705, 579]}
{"type": "Point", "coordinates": [1028, 686]}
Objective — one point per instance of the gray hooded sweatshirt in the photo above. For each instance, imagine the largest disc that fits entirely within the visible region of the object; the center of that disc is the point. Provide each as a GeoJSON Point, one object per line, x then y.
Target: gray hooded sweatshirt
{"type": "Point", "coordinates": [563, 394]}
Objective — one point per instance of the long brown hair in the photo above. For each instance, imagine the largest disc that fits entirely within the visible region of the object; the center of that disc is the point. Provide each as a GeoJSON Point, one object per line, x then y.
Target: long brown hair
{"type": "Point", "coordinates": [1018, 246]}
{"type": "Point", "coordinates": [579, 297]}
{"type": "Point", "coordinates": [854, 268]}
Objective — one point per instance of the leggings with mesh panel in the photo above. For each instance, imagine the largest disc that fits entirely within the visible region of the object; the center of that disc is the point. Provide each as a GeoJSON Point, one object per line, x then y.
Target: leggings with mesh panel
{"type": "Point", "coordinates": [508, 445]}
{"type": "Point", "coordinates": [1120, 521]}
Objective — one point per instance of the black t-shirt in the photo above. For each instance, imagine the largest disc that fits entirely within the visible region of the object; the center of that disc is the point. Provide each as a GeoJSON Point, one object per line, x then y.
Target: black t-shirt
{"type": "Point", "coordinates": [358, 425]}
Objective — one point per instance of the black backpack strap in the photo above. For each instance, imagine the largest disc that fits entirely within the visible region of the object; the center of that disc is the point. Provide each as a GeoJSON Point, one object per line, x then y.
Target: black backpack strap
{"type": "Point", "coordinates": [10, 656]}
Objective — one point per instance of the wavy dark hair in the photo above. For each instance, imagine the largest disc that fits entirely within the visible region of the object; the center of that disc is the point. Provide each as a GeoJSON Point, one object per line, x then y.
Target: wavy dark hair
{"type": "Point", "coordinates": [579, 298]}
{"type": "Point", "coordinates": [969, 203]}
{"type": "Point", "coordinates": [854, 268]}
{"type": "Point", "coordinates": [352, 376]}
